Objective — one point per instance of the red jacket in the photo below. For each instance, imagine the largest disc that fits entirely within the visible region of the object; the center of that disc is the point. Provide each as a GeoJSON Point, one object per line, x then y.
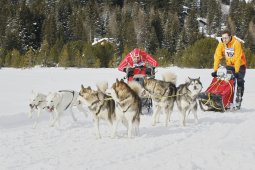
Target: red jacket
{"type": "Point", "coordinates": [144, 58]}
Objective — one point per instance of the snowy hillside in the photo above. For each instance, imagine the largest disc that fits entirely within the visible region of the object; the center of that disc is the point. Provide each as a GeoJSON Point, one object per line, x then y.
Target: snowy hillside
{"type": "Point", "coordinates": [219, 141]}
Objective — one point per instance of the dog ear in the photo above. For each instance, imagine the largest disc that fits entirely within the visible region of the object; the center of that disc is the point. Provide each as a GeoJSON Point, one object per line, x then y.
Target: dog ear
{"type": "Point", "coordinates": [49, 93]}
{"type": "Point", "coordinates": [82, 87]}
{"type": "Point", "coordinates": [117, 80]}
{"type": "Point", "coordinates": [89, 88]}
{"type": "Point", "coordinates": [121, 80]}
{"type": "Point", "coordinates": [35, 93]}
{"type": "Point", "coordinates": [188, 80]}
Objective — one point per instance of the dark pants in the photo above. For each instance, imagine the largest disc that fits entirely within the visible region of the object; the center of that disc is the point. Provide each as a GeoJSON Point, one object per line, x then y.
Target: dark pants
{"type": "Point", "coordinates": [240, 80]}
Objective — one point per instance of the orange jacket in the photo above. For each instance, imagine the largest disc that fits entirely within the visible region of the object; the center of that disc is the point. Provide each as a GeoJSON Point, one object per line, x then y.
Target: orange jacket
{"type": "Point", "coordinates": [233, 54]}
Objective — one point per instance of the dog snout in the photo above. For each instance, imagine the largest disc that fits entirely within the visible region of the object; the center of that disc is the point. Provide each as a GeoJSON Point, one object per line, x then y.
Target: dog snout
{"type": "Point", "coordinates": [195, 87]}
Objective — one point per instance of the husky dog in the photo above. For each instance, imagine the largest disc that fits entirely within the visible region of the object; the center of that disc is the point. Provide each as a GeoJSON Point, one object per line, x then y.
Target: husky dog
{"type": "Point", "coordinates": [128, 106]}
{"type": "Point", "coordinates": [187, 98]}
{"type": "Point", "coordinates": [163, 94]}
{"type": "Point", "coordinates": [58, 102]}
{"type": "Point", "coordinates": [37, 103]}
{"type": "Point", "coordinates": [100, 105]}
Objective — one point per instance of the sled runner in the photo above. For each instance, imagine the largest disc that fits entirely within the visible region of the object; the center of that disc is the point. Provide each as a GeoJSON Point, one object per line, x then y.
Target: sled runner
{"type": "Point", "coordinates": [220, 93]}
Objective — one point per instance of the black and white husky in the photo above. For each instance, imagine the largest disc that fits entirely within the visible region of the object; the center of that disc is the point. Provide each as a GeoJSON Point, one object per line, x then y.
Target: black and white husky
{"type": "Point", "coordinates": [186, 98]}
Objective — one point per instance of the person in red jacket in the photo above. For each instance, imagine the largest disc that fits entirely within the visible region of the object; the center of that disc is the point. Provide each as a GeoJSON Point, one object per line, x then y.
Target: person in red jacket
{"type": "Point", "coordinates": [138, 62]}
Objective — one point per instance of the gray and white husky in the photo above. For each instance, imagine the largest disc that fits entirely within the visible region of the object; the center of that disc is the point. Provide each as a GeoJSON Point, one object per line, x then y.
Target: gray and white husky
{"type": "Point", "coordinates": [61, 101]}
{"type": "Point", "coordinates": [186, 98]}
{"type": "Point", "coordinates": [100, 105]}
{"type": "Point", "coordinates": [163, 96]}
{"type": "Point", "coordinates": [128, 106]}
{"type": "Point", "coordinates": [37, 104]}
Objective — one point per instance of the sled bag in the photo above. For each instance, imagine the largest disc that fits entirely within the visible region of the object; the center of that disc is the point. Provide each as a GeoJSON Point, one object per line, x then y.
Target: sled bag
{"type": "Point", "coordinates": [223, 88]}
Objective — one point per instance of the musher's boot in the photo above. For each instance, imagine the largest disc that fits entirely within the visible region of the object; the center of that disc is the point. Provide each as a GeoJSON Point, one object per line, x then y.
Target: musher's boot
{"type": "Point", "coordinates": [239, 94]}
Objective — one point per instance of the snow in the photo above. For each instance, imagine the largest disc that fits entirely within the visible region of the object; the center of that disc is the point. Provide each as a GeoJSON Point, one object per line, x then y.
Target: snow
{"type": "Point", "coordinates": [225, 9]}
{"type": "Point", "coordinates": [218, 141]}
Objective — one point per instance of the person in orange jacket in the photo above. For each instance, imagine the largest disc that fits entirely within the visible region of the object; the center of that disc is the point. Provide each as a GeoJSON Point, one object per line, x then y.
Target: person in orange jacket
{"type": "Point", "coordinates": [231, 49]}
{"type": "Point", "coordinates": [134, 60]}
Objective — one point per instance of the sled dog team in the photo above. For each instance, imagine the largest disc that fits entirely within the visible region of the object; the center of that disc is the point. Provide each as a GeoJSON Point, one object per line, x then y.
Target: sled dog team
{"type": "Point", "coordinates": [121, 102]}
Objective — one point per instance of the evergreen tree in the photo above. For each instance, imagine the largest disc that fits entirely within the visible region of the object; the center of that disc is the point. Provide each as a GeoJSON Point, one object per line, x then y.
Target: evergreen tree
{"type": "Point", "coordinates": [15, 60]}
{"type": "Point", "coordinates": [64, 12]}
{"type": "Point", "coordinates": [200, 55]}
{"type": "Point", "coordinates": [104, 52]}
{"type": "Point", "coordinates": [101, 25]}
{"type": "Point", "coordinates": [191, 26]}
{"type": "Point", "coordinates": [30, 27]}
{"type": "Point", "coordinates": [29, 58]}
{"type": "Point", "coordinates": [64, 59]}
{"type": "Point", "coordinates": [53, 56]}
{"type": "Point", "coordinates": [181, 41]}
{"type": "Point", "coordinates": [4, 15]}
{"type": "Point", "coordinates": [11, 39]}
{"type": "Point", "coordinates": [50, 29]}
{"type": "Point", "coordinates": [89, 58]}
{"type": "Point", "coordinates": [43, 54]}
{"type": "Point", "coordinates": [156, 23]}
{"type": "Point", "coordinates": [171, 32]}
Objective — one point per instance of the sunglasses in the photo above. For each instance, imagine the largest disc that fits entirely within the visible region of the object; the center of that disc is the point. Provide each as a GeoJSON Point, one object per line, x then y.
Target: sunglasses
{"type": "Point", "coordinates": [225, 38]}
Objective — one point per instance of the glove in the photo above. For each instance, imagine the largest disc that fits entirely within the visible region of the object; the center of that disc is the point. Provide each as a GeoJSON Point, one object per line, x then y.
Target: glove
{"type": "Point", "coordinates": [236, 75]}
{"type": "Point", "coordinates": [130, 73]}
{"type": "Point", "coordinates": [214, 74]}
{"type": "Point", "coordinates": [125, 69]}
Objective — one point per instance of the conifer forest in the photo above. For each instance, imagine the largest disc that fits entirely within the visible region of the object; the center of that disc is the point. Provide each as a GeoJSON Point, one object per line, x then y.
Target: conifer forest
{"type": "Point", "coordinates": [64, 33]}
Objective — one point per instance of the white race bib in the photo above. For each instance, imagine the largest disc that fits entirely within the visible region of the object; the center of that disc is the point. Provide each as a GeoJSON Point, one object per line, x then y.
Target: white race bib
{"type": "Point", "coordinates": [229, 52]}
{"type": "Point", "coordinates": [139, 64]}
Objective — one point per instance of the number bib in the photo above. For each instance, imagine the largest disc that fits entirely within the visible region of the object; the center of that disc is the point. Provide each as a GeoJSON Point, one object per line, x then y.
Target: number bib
{"type": "Point", "coordinates": [229, 52]}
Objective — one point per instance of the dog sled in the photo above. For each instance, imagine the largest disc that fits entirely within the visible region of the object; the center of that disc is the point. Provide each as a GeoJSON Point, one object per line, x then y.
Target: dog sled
{"type": "Point", "coordinates": [138, 74]}
{"type": "Point", "coordinates": [219, 96]}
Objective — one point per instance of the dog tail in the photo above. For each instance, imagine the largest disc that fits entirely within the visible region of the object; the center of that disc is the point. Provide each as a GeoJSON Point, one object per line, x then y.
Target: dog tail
{"type": "Point", "coordinates": [137, 88]}
{"type": "Point", "coordinates": [102, 86]}
{"type": "Point", "coordinates": [169, 77]}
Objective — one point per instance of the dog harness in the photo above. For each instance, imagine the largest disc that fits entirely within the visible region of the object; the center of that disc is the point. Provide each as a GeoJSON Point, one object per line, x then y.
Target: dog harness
{"type": "Point", "coordinates": [72, 98]}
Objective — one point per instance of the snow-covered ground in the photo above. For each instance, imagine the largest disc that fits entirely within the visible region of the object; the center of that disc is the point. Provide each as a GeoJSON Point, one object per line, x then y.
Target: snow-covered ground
{"type": "Point", "coordinates": [221, 141]}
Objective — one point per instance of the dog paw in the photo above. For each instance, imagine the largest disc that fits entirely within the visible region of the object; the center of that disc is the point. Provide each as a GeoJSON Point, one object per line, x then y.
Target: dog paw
{"type": "Point", "coordinates": [113, 135]}
{"type": "Point", "coordinates": [98, 137]}
{"type": "Point", "coordinates": [183, 125]}
{"type": "Point", "coordinates": [34, 125]}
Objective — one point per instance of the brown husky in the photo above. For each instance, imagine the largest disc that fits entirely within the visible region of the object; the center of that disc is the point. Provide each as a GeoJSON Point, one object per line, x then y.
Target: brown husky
{"type": "Point", "coordinates": [100, 105]}
{"type": "Point", "coordinates": [163, 94]}
{"type": "Point", "coordinates": [128, 106]}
